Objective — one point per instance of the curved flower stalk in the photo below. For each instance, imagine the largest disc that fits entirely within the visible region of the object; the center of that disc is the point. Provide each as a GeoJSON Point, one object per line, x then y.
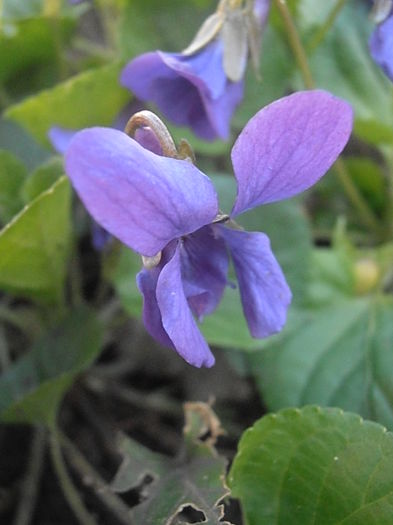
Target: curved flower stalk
{"type": "Point", "coordinates": [381, 41]}
{"type": "Point", "coordinates": [167, 210]}
{"type": "Point", "coordinates": [202, 86]}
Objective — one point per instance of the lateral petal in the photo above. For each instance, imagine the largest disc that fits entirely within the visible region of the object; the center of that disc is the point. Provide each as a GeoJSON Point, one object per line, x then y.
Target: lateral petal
{"type": "Point", "coordinates": [264, 291]}
{"type": "Point", "coordinates": [287, 147]}
{"type": "Point", "coordinates": [146, 281]}
{"type": "Point", "coordinates": [177, 318]}
{"type": "Point", "coordinates": [204, 261]}
{"type": "Point", "coordinates": [143, 199]}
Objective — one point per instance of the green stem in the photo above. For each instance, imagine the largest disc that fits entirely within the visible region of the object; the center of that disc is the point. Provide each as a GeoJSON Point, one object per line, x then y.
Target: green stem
{"type": "Point", "coordinates": [14, 318]}
{"type": "Point", "coordinates": [31, 483]}
{"type": "Point", "coordinates": [62, 68]}
{"type": "Point", "coordinates": [5, 359]}
{"type": "Point", "coordinates": [299, 53]}
{"type": "Point", "coordinates": [93, 49]}
{"type": "Point", "coordinates": [69, 490]}
{"type": "Point", "coordinates": [100, 487]}
{"type": "Point", "coordinates": [5, 99]}
{"type": "Point", "coordinates": [355, 196]}
{"type": "Point", "coordinates": [320, 35]}
{"type": "Point", "coordinates": [76, 278]}
{"type": "Point", "coordinates": [296, 44]}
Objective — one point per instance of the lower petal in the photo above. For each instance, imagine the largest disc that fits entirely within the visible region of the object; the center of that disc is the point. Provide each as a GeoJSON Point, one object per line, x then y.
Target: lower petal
{"type": "Point", "coordinates": [264, 291]}
{"type": "Point", "coordinates": [177, 319]}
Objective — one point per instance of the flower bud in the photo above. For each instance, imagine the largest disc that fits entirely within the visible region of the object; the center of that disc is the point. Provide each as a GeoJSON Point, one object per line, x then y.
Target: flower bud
{"type": "Point", "coordinates": [367, 275]}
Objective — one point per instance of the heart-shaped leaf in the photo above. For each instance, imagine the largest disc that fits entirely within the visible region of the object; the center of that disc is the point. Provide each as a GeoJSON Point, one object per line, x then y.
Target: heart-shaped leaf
{"type": "Point", "coordinates": [314, 467]}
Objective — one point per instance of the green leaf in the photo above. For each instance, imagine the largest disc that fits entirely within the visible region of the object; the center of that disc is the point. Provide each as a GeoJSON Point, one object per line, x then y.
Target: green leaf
{"type": "Point", "coordinates": [226, 327]}
{"type": "Point", "coordinates": [27, 43]}
{"type": "Point", "coordinates": [14, 9]}
{"type": "Point", "coordinates": [369, 178]}
{"type": "Point", "coordinates": [91, 98]}
{"type": "Point", "coordinates": [19, 9]}
{"type": "Point", "coordinates": [12, 176]}
{"type": "Point", "coordinates": [145, 26]}
{"type": "Point", "coordinates": [331, 278]}
{"type": "Point", "coordinates": [42, 178]}
{"type": "Point", "coordinates": [340, 355]}
{"type": "Point", "coordinates": [314, 466]}
{"type": "Point", "coordinates": [21, 144]}
{"type": "Point", "coordinates": [194, 478]}
{"type": "Point", "coordinates": [32, 389]}
{"type": "Point", "coordinates": [34, 246]}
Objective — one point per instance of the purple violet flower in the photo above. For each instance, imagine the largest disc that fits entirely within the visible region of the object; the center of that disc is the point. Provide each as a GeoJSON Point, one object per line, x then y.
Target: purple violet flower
{"type": "Point", "coordinates": [167, 209]}
{"type": "Point", "coordinates": [381, 45]}
{"type": "Point", "coordinates": [202, 86]}
{"type": "Point", "coordinates": [191, 91]}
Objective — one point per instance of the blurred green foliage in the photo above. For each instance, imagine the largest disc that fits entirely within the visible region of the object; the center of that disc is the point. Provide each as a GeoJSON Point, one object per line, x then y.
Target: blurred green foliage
{"type": "Point", "coordinates": [60, 65]}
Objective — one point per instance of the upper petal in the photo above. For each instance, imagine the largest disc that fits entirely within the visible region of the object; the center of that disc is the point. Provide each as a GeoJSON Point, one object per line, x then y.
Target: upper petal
{"type": "Point", "coordinates": [143, 199]}
{"type": "Point", "coordinates": [264, 291]}
{"type": "Point", "coordinates": [177, 318]}
{"type": "Point", "coordinates": [287, 146]}
{"type": "Point", "coordinates": [204, 261]}
{"type": "Point", "coordinates": [381, 46]}
{"type": "Point", "coordinates": [203, 69]}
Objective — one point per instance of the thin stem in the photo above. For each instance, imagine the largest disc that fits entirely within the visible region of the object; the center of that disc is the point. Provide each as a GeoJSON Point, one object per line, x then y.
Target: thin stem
{"type": "Point", "coordinates": [296, 44]}
{"type": "Point", "coordinates": [91, 478]}
{"type": "Point", "coordinates": [355, 196]}
{"type": "Point", "coordinates": [320, 35]}
{"type": "Point", "coordinates": [30, 487]}
{"type": "Point", "coordinates": [76, 279]}
{"type": "Point", "coordinates": [13, 318]}
{"type": "Point", "coordinates": [156, 402]}
{"type": "Point", "coordinates": [351, 190]}
{"type": "Point", "coordinates": [69, 490]}
{"type": "Point", "coordinates": [147, 119]}
{"type": "Point", "coordinates": [5, 99]}
{"type": "Point", "coordinates": [92, 48]}
{"type": "Point", "coordinates": [5, 359]}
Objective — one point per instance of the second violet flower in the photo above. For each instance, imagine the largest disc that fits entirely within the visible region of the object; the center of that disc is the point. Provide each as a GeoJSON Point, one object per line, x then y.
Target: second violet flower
{"type": "Point", "coordinates": [202, 86]}
{"type": "Point", "coordinates": [167, 210]}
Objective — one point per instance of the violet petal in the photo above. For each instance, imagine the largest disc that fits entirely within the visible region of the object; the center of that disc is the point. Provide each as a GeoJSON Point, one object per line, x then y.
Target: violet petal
{"type": "Point", "coordinates": [148, 140]}
{"type": "Point", "coordinates": [264, 291]}
{"type": "Point", "coordinates": [177, 318]}
{"type": "Point", "coordinates": [287, 147]}
{"type": "Point", "coordinates": [381, 46]}
{"type": "Point", "coordinates": [261, 11]}
{"type": "Point", "coordinates": [60, 138]}
{"type": "Point", "coordinates": [190, 90]}
{"type": "Point", "coordinates": [204, 260]}
{"type": "Point", "coordinates": [143, 199]}
{"type": "Point", "coordinates": [147, 284]}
